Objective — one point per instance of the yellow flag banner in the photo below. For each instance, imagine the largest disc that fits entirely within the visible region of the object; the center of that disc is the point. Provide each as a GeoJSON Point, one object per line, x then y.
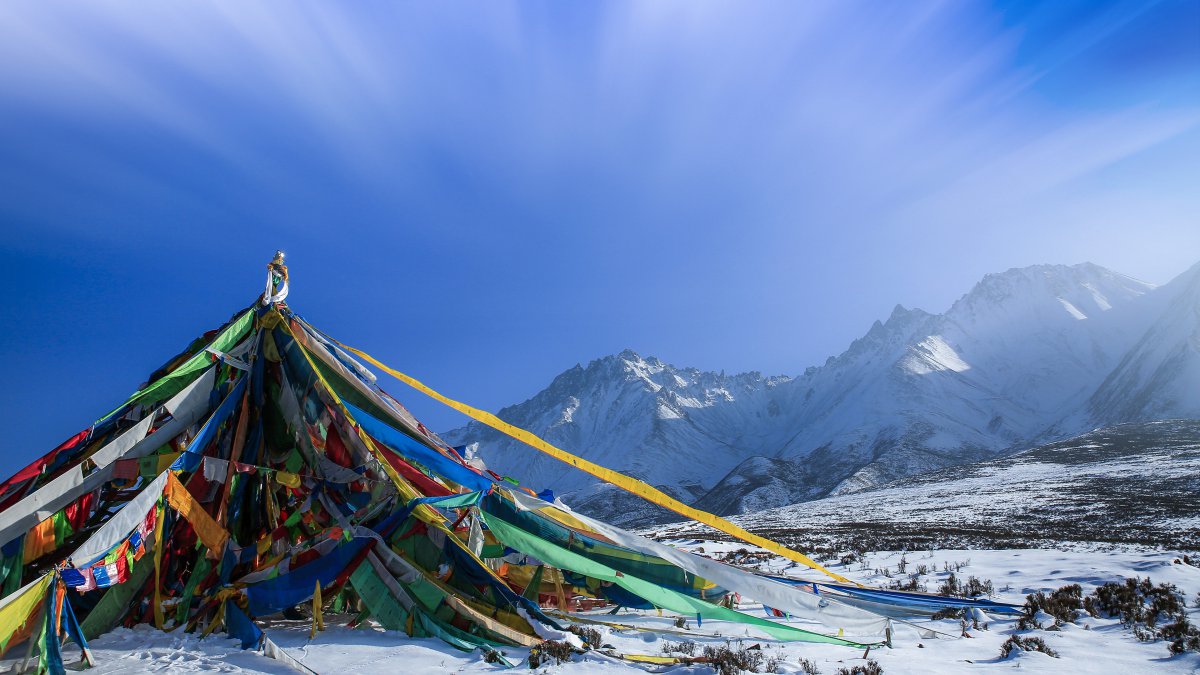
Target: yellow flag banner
{"type": "Point", "coordinates": [318, 621]}
{"type": "Point", "coordinates": [637, 487]}
{"type": "Point", "coordinates": [19, 608]}
{"type": "Point", "coordinates": [159, 616]}
{"type": "Point", "coordinates": [208, 530]}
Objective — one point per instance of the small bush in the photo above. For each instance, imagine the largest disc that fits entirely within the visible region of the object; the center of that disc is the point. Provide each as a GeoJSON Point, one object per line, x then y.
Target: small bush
{"type": "Point", "coordinates": [686, 647]}
{"type": "Point", "coordinates": [949, 586]}
{"type": "Point", "coordinates": [1145, 607]}
{"type": "Point", "coordinates": [1063, 604]}
{"type": "Point", "coordinates": [1181, 636]}
{"type": "Point", "coordinates": [955, 566]}
{"type": "Point", "coordinates": [559, 652]}
{"type": "Point", "coordinates": [913, 584]}
{"type": "Point", "coordinates": [948, 613]}
{"type": "Point", "coordinates": [590, 636]}
{"type": "Point", "coordinates": [976, 587]}
{"type": "Point", "coordinates": [1138, 601]}
{"type": "Point", "coordinates": [971, 588]}
{"type": "Point", "coordinates": [1028, 644]}
{"type": "Point", "coordinates": [868, 668]}
{"type": "Point", "coordinates": [809, 667]}
{"type": "Point", "coordinates": [729, 660]}
{"type": "Point", "coordinates": [1151, 612]}
{"type": "Point", "coordinates": [734, 556]}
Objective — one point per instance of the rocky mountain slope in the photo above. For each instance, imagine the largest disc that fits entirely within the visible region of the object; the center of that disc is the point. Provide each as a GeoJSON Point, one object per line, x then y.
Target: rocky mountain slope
{"type": "Point", "coordinates": [1029, 355]}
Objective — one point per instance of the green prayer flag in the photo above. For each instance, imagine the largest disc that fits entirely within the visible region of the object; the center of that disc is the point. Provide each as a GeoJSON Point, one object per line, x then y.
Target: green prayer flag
{"type": "Point", "coordinates": [516, 538]}
{"type": "Point", "coordinates": [62, 527]}
{"type": "Point", "coordinates": [203, 566]}
{"type": "Point", "coordinates": [173, 382]}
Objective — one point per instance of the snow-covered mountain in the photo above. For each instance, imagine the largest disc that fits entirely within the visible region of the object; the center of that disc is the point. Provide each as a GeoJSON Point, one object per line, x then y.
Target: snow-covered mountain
{"type": "Point", "coordinates": [1028, 355]}
{"type": "Point", "coordinates": [1160, 375]}
{"type": "Point", "coordinates": [682, 429]}
{"type": "Point", "coordinates": [923, 391]}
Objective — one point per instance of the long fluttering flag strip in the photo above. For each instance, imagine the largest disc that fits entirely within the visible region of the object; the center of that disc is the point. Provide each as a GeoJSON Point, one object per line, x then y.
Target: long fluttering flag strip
{"type": "Point", "coordinates": [17, 609]}
{"type": "Point", "coordinates": [403, 444]}
{"type": "Point", "coordinates": [178, 378]}
{"type": "Point", "coordinates": [521, 540]}
{"type": "Point", "coordinates": [19, 484]}
{"type": "Point", "coordinates": [184, 408]}
{"type": "Point", "coordinates": [633, 485]}
{"type": "Point", "coordinates": [845, 618]}
{"type": "Point", "coordinates": [904, 602]}
{"type": "Point", "coordinates": [190, 459]}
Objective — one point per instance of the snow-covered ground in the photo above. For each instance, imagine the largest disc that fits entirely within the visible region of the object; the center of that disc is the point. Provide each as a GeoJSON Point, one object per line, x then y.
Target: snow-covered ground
{"type": "Point", "coordinates": [1090, 646]}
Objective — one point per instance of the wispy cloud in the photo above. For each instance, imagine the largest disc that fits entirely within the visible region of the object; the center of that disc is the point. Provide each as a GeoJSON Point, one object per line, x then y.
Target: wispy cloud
{"type": "Point", "coordinates": [563, 136]}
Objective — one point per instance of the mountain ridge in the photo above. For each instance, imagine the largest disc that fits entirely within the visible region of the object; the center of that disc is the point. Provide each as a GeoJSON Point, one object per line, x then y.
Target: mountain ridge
{"type": "Point", "coordinates": [1021, 357]}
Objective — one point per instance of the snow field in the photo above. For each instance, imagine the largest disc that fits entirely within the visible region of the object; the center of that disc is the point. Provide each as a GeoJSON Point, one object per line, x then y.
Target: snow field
{"type": "Point", "coordinates": [1090, 646]}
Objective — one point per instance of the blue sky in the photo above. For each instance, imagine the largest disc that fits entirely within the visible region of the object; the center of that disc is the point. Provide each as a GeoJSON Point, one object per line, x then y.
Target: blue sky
{"type": "Point", "coordinates": [484, 194]}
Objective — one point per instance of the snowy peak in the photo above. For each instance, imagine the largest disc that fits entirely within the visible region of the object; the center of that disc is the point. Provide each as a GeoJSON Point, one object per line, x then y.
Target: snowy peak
{"type": "Point", "coordinates": [1040, 337]}
{"type": "Point", "coordinates": [1047, 293]}
{"type": "Point", "coordinates": [885, 338]}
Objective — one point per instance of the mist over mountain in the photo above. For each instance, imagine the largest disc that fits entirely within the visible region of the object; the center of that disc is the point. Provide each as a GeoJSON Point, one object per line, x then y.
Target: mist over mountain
{"type": "Point", "coordinates": [1027, 356]}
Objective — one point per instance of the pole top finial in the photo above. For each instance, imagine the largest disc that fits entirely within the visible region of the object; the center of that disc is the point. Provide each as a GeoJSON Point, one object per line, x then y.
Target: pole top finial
{"type": "Point", "coordinates": [277, 266]}
{"type": "Point", "coordinates": [277, 280]}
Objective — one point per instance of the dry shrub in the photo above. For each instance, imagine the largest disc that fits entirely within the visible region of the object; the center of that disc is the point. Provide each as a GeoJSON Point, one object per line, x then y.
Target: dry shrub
{"type": "Point", "coordinates": [730, 660]}
{"type": "Point", "coordinates": [913, 584]}
{"type": "Point", "coordinates": [550, 650]}
{"type": "Point", "coordinates": [1063, 604]}
{"type": "Point", "coordinates": [686, 647]}
{"type": "Point", "coordinates": [809, 667]}
{"type": "Point", "coordinates": [973, 587]}
{"type": "Point", "coordinates": [868, 668]}
{"type": "Point", "coordinates": [590, 636]}
{"type": "Point", "coordinates": [1026, 644]}
{"type": "Point", "coordinates": [1153, 612]}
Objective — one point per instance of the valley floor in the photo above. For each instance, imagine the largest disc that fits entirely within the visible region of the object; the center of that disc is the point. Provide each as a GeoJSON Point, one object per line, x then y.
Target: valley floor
{"type": "Point", "coordinates": [1089, 646]}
